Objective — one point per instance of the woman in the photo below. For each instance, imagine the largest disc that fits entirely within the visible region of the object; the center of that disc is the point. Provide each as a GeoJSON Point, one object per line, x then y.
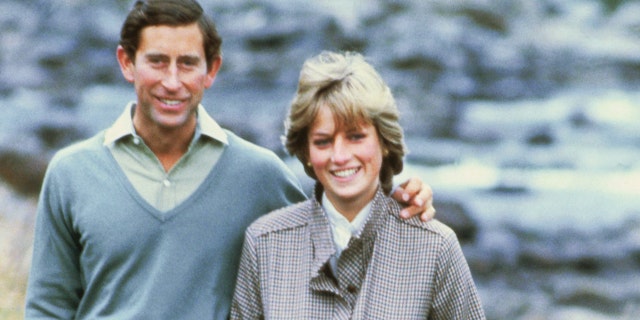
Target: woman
{"type": "Point", "coordinates": [345, 253]}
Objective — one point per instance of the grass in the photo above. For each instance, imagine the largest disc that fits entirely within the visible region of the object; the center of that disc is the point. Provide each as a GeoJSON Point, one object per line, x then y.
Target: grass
{"type": "Point", "coordinates": [16, 239]}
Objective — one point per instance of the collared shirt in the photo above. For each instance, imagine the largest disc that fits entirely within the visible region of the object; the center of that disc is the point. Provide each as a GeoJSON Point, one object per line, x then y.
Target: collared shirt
{"type": "Point", "coordinates": [341, 229]}
{"type": "Point", "coordinates": [165, 190]}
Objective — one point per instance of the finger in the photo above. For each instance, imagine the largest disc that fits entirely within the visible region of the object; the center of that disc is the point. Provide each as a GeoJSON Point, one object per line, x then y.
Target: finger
{"type": "Point", "coordinates": [428, 210]}
{"type": "Point", "coordinates": [399, 193]}
{"type": "Point", "coordinates": [413, 186]}
{"type": "Point", "coordinates": [409, 212]}
{"type": "Point", "coordinates": [424, 199]}
{"type": "Point", "coordinates": [429, 214]}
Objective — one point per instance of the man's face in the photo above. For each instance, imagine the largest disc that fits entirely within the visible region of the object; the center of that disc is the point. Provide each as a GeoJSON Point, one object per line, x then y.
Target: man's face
{"type": "Point", "coordinates": [169, 75]}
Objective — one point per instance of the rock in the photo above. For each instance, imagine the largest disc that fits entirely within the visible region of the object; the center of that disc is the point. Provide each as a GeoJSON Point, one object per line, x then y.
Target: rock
{"type": "Point", "coordinates": [455, 215]}
{"type": "Point", "coordinates": [605, 294]}
{"type": "Point", "coordinates": [55, 136]}
{"type": "Point", "coordinates": [23, 172]}
{"type": "Point", "coordinates": [577, 313]}
{"type": "Point", "coordinates": [495, 251]}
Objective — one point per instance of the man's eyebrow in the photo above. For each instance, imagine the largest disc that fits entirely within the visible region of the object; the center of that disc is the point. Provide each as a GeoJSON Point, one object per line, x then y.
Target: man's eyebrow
{"type": "Point", "coordinates": [189, 58]}
{"type": "Point", "coordinates": [156, 56]}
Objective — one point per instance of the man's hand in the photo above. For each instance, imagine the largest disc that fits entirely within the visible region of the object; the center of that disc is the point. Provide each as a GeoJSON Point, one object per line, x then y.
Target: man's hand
{"type": "Point", "coordinates": [418, 198]}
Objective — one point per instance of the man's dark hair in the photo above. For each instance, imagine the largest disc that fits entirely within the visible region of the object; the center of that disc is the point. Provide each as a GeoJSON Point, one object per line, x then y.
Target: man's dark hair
{"type": "Point", "coordinates": [147, 13]}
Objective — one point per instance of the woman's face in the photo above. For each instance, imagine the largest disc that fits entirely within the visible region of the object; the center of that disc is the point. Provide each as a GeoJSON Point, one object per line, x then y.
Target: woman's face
{"type": "Point", "coordinates": [346, 161]}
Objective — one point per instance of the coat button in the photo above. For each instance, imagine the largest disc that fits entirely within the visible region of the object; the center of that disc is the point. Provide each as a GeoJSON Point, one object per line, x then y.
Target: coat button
{"type": "Point", "coordinates": [352, 289]}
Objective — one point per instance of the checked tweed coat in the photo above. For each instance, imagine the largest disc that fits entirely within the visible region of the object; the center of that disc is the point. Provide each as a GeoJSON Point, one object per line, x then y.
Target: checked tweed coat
{"type": "Point", "coordinates": [394, 269]}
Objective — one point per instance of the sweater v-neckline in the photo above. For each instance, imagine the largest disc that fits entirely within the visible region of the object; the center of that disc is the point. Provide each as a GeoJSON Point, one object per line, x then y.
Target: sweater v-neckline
{"type": "Point", "coordinates": [164, 216]}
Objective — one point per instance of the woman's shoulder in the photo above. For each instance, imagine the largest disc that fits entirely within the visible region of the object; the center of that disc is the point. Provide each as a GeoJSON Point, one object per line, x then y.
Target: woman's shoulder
{"type": "Point", "coordinates": [432, 227]}
{"type": "Point", "coordinates": [290, 217]}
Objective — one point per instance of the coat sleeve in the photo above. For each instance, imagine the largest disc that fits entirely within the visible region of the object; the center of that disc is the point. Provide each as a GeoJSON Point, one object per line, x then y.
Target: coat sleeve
{"type": "Point", "coordinates": [247, 298]}
{"type": "Point", "coordinates": [54, 287]}
{"type": "Point", "coordinates": [456, 296]}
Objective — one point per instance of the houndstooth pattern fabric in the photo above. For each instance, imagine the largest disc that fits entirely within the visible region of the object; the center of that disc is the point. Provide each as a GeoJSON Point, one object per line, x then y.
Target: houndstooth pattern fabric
{"type": "Point", "coordinates": [395, 269]}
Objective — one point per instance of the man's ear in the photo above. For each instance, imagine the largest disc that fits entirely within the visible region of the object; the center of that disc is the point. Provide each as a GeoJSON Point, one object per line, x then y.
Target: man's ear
{"type": "Point", "coordinates": [213, 71]}
{"type": "Point", "coordinates": [126, 64]}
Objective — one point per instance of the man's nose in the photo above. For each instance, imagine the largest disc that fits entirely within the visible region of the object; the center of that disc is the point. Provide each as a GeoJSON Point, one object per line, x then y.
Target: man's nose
{"type": "Point", "coordinates": [171, 79]}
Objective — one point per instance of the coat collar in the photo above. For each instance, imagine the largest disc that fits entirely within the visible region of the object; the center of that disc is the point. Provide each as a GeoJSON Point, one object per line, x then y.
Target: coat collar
{"type": "Point", "coordinates": [323, 247]}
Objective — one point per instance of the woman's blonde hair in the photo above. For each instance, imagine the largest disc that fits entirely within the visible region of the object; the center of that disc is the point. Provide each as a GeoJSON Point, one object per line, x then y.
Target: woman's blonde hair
{"type": "Point", "coordinates": [356, 94]}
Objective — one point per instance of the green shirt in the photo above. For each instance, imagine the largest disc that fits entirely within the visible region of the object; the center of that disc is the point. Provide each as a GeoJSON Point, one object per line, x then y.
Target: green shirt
{"type": "Point", "coordinates": [165, 190]}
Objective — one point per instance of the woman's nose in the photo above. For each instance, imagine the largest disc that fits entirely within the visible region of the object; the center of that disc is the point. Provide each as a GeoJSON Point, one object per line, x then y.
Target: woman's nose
{"type": "Point", "coordinates": [341, 152]}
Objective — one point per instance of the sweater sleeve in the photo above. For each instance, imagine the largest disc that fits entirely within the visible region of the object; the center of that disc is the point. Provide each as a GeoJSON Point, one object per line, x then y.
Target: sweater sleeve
{"type": "Point", "coordinates": [54, 287]}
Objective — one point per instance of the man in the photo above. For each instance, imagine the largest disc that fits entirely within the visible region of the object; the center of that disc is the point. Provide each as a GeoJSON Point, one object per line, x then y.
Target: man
{"type": "Point", "coordinates": [145, 220]}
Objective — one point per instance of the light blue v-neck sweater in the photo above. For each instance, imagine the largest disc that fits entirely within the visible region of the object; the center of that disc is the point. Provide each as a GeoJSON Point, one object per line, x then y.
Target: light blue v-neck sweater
{"type": "Point", "coordinates": [101, 251]}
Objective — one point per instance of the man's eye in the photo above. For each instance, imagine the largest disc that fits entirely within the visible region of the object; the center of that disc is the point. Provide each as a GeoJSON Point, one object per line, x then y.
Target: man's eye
{"type": "Point", "coordinates": [189, 62]}
{"type": "Point", "coordinates": [356, 136]}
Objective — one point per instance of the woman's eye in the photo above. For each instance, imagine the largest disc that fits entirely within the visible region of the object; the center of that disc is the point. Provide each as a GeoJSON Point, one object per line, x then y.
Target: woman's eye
{"type": "Point", "coordinates": [320, 142]}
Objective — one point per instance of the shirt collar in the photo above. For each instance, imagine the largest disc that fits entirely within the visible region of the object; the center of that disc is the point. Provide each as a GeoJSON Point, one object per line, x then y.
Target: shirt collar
{"type": "Point", "coordinates": [210, 127]}
{"type": "Point", "coordinates": [341, 228]}
{"type": "Point", "coordinates": [123, 126]}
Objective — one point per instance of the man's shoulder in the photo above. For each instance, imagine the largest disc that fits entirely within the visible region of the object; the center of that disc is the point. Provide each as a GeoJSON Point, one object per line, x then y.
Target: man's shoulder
{"type": "Point", "coordinates": [70, 153]}
{"type": "Point", "coordinates": [260, 160]}
{"type": "Point", "coordinates": [246, 147]}
{"type": "Point", "coordinates": [247, 165]}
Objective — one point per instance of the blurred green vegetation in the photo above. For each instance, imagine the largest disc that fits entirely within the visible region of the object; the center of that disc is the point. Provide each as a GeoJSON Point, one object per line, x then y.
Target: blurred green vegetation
{"type": "Point", "coordinates": [613, 5]}
{"type": "Point", "coordinates": [16, 239]}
